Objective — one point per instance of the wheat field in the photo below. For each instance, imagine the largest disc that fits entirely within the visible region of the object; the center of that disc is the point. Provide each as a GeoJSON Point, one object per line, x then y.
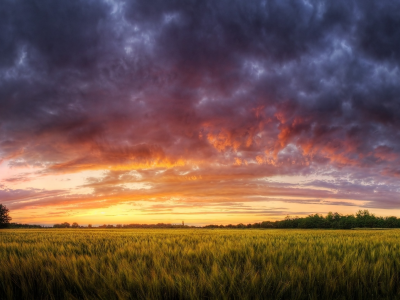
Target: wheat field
{"type": "Point", "coordinates": [199, 264]}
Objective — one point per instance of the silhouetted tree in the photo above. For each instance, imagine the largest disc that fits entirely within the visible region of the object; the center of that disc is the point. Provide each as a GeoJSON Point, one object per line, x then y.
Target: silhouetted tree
{"type": "Point", "coordinates": [62, 225]}
{"type": "Point", "coordinates": [313, 221]}
{"type": "Point", "coordinates": [267, 224]}
{"type": "Point", "coordinates": [391, 222]}
{"type": "Point", "coordinates": [75, 225]}
{"type": "Point", "coordinates": [65, 225]}
{"type": "Point", "coordinates": [365, 219]}
{"type": "Point", "coordinates": [332, 219]}
{"type": "Point", "coordinates": [288, 222]}
{"type": "Point", "coordinates": [4, 216]}
{"type": "Point", "coordinates": [347, 222]}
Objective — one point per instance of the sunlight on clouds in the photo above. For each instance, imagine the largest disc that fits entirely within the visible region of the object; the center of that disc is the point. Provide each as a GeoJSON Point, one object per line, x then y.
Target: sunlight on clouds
{"type": "Point", "coordinates": [141, 111]}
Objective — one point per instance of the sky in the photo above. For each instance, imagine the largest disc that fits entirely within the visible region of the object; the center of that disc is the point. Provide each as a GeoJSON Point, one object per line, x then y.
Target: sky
{"type": "Point", "coordinates": [207, 111]}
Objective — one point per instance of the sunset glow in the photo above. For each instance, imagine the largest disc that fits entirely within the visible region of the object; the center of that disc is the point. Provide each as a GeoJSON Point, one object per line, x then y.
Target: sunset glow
{"type": "Point", "coordinates": [212, 112]}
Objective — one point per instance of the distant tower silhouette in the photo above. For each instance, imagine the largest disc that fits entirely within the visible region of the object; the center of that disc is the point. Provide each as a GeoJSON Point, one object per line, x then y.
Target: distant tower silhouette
{"type": "Point", "coordinates": [183, 223]}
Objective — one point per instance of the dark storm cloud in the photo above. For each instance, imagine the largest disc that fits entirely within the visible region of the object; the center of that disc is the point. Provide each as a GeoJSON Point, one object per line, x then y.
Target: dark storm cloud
{"type": "Point", "coordinates": [211, 31]}
{"type": "Point", "coordinates": [379, 29]}
{"type": "Point", "coordinates": [60, 33]}
{"type": "Point", "coordinates": [282, 87]}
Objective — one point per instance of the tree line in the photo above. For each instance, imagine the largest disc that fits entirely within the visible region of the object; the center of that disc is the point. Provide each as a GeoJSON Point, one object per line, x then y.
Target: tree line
{"type": "Point", "coordinates": [19, 225]}
{"type": "Point", "coordinates": [362, 219]}
{"type": "Point", "coordinates": [67, 225]}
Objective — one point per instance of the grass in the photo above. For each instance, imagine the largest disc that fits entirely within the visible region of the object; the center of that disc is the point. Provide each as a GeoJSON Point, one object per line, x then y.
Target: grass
{"type": "Point", "coordinates": [199, 264]}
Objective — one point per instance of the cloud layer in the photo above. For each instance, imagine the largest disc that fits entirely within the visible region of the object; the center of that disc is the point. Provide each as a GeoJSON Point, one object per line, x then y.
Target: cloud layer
{"type": "Point", "coordinates": [225, 92]}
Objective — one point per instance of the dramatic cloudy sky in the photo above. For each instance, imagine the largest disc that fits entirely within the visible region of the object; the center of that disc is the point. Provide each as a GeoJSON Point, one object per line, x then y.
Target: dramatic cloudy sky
{"type": "Point", "coordinates": [208, 111]}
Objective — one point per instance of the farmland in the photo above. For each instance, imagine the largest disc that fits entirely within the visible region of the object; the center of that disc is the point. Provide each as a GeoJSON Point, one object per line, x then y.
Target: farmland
{"type": "Point", "coordinates": [199, 264]}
